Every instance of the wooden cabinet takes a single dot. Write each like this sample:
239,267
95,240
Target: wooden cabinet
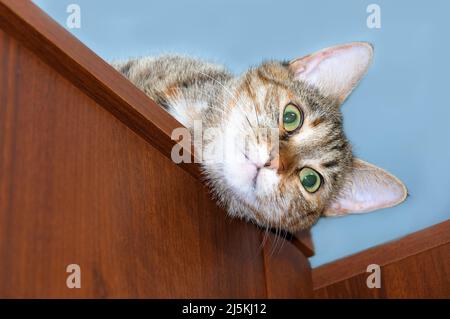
85,179
415,266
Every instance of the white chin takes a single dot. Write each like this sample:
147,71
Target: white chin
267,183
240,176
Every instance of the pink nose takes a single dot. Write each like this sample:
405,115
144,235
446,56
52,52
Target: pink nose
273,163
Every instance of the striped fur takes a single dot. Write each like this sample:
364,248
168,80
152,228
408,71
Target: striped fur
245,107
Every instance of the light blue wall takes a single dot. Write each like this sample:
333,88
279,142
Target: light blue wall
398,118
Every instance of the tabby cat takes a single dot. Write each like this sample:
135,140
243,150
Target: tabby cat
287,179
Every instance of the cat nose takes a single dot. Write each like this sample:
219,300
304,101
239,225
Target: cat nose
273,163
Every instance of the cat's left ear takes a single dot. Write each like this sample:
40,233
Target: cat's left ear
367,188
334,71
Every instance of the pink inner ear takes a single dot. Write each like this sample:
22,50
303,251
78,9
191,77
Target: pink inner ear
369,188
302,67
334,71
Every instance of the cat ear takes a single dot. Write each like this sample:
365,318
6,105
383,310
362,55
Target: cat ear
334,71
368,188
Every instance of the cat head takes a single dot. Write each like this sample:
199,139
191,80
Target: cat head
286,158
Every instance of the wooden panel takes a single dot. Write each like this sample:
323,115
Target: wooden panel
83,68
382,255
425,275
303,241
64,53
288,273
78,186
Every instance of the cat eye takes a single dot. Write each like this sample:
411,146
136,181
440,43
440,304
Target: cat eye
310,179
292,118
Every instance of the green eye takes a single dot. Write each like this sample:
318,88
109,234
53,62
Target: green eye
292,118
310,179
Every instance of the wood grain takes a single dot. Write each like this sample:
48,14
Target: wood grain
91,74
424,275
96,78
303,241
282,262
77,186
385,254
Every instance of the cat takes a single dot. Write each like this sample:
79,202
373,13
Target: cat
307,169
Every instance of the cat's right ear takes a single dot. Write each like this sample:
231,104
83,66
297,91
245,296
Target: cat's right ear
334,71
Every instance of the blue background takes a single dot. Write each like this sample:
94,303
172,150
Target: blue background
398,118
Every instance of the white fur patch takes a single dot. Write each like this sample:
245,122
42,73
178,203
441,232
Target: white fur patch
187,111
244,159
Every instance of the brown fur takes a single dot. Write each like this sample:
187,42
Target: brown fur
260,94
